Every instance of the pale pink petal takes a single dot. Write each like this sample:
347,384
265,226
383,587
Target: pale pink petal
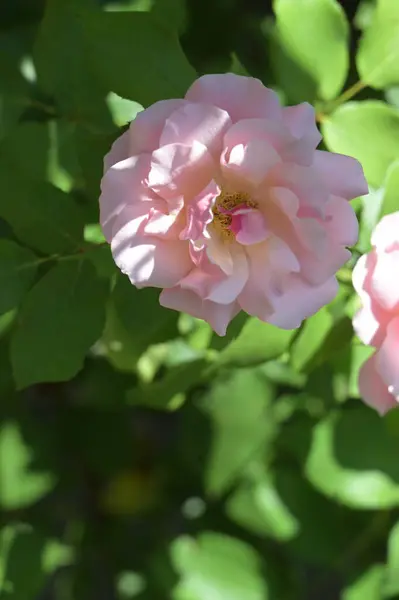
199,212
373,390
220,254
146,260
342,224
121,186
146,129
227,290
217,315
359,274
387,358
162,224
278,134
249,227
120,150
371,321
280,256
251,163
342,174
304,182
269,264
301,300
384,282
202,123
385,235
178,169
248,130
301,121
241,97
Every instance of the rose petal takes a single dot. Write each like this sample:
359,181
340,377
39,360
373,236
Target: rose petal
385,235
342,174
387,358
202,123
199,212
149,261
342,225
384,280
241,97
177,169
122,186
217,315
301,121
146,129
373,390
120,150
226,290
251,163
249,227
301,300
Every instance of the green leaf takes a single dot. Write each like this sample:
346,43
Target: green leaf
256,343
61,318
313,35
377,59
368,586
391,587
26,560
146,322
258,507
122,110
14,89
63,68
17,271
347,467
136,56
253,426
311,338
367,131
390,195
217,564
168,392
19,485
41,215
34,139
359,355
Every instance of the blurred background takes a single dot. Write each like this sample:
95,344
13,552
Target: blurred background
141,456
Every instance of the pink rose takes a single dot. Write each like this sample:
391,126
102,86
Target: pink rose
222,200
376,280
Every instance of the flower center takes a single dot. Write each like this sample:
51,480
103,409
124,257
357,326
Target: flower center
223,212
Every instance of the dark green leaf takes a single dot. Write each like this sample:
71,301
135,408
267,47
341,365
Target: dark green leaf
117,44
17,271
63,68
41,215
139,312
256,343
62,316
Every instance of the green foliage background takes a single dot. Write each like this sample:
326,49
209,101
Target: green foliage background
141,456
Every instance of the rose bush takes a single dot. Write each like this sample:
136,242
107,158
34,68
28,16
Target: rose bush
377,322
223,200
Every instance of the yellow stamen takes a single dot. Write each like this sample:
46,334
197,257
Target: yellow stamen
227,201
